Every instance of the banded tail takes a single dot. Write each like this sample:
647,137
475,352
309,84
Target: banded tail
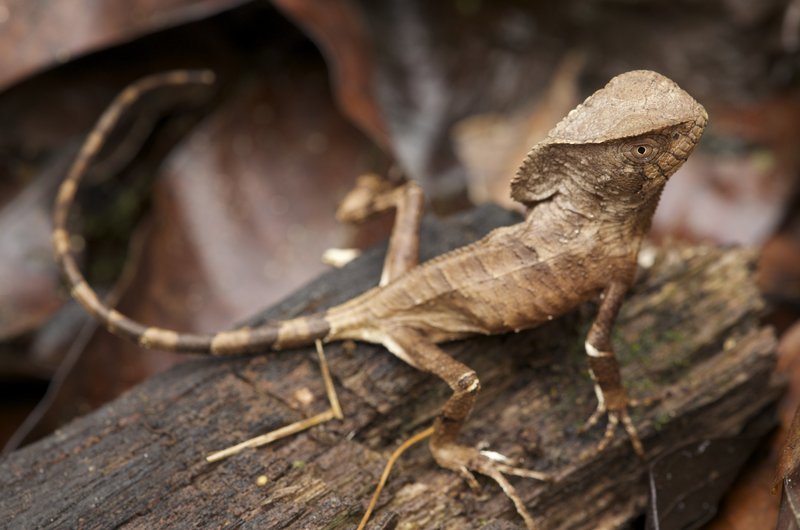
289,333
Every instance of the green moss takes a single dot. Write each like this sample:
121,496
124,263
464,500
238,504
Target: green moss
642,386
661,420
108,224
674,335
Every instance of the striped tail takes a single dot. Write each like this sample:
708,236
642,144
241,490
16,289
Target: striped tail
295,332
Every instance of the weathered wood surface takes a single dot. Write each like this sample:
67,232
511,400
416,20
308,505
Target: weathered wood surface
690,330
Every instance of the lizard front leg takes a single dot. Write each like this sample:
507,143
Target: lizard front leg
612,399
423,354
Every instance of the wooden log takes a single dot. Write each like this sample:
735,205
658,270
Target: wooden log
689,332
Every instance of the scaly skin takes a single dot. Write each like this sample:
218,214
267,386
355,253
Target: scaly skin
591,188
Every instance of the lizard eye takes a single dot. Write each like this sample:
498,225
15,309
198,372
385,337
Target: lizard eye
641,150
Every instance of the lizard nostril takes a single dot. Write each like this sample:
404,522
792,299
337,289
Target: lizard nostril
675,136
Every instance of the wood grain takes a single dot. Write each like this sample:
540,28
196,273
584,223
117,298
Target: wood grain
690,330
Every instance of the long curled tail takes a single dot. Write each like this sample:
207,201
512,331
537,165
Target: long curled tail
295,332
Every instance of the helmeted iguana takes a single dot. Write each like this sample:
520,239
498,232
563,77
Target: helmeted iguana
590,188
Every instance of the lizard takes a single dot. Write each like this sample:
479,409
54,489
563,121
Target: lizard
590,189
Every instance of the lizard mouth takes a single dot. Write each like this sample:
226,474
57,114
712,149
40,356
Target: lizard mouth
699,125
686,140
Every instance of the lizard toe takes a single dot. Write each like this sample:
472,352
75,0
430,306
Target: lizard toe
599,412
615,418
463,460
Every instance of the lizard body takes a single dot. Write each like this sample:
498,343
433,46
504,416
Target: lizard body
591,188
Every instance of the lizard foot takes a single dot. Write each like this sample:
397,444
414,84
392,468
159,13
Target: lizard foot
464,460
615,416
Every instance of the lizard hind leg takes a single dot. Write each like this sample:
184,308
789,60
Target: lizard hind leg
423,354
374,194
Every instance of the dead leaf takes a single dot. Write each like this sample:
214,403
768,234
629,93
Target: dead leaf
38,34
242,213
29,278
492,146
339,30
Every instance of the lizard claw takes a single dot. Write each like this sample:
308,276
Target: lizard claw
463,460
615,417
469,478
599,412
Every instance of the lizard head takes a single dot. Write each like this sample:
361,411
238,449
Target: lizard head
618,148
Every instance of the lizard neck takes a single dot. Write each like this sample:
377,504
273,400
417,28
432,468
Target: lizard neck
585,220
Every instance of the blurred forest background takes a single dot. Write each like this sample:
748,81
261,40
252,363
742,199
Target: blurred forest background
207,207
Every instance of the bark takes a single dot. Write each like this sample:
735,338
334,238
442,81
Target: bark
689,332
